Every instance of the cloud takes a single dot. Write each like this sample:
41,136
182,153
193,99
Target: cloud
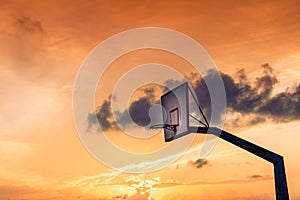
255,176
138,112
24,47
139,109
103,115
199,163
143,184
30,25
254,102
251,102
241,95
285,105
245,97
257,98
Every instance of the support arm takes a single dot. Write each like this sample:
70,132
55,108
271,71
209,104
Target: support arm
277,160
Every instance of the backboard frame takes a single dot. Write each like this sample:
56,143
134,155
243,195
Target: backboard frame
180,93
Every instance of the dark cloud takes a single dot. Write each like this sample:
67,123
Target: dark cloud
139,109
245,97
256,98
199,163
285,105
103,116
30,25
138,112
255,176
241,96
253,101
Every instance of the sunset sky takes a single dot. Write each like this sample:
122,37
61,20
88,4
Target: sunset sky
45,43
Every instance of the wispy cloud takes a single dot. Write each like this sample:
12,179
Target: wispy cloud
230,181
105,179
142,185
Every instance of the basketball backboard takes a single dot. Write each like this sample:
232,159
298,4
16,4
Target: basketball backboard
175,112
176,105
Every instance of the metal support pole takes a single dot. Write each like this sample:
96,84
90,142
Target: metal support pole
277,160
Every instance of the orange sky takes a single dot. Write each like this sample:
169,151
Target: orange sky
43,44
